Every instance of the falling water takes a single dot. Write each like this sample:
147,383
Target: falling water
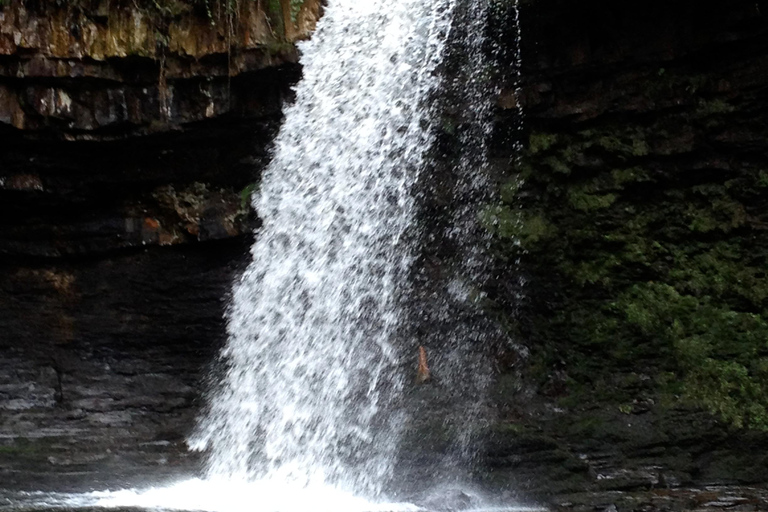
309,410
311,365
468,354
456,267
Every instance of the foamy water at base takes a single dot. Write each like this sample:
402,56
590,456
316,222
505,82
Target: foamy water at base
222,496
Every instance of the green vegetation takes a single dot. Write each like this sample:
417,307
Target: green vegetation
650,273
24,447
722,354
246,194
275,15
296,6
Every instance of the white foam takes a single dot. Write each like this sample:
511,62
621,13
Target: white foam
232,496
196,495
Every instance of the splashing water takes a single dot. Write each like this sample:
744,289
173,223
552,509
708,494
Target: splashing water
202,495
311,365
457,267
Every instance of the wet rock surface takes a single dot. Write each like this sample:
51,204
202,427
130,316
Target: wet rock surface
666,500
636,116
103,70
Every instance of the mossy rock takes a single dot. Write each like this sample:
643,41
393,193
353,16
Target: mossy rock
640,263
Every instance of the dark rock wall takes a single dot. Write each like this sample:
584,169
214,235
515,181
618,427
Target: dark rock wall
116,265
102,374
125,179
641,224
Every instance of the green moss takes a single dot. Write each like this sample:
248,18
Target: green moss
642,264
539,142
557,164
296,6
527,230
573,153
278,47
275,15
509,191
720,269
762,180
665,84
721,352
627,143
23,446
509,428
722,214
170,8
623,177
246,194
701,221
274,7
712,107
586,427
586,201
500,220
591,271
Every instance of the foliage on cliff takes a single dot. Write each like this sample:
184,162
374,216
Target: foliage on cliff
644,240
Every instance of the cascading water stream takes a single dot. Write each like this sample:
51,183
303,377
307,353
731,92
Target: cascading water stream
457,269
311,364
309,410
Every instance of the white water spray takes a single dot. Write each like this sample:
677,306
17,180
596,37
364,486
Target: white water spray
311,366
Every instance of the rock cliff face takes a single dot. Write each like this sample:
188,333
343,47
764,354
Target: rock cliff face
639,209
91,71
132,140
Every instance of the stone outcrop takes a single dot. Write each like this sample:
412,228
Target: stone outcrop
113,69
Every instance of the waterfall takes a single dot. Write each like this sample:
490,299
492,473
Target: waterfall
455,266
351,269
311,366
